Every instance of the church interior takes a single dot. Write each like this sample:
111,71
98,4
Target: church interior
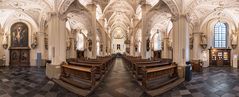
119,48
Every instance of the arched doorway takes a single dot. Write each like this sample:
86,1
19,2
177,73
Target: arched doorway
19,50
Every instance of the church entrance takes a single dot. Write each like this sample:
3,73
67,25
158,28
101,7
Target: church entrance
19,50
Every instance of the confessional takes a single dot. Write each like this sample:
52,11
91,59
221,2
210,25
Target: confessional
219,57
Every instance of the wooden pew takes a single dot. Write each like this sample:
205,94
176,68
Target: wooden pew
139,67
153,77
79,76
98,68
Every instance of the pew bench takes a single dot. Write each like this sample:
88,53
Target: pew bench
139,67
98,68
79,76
156,77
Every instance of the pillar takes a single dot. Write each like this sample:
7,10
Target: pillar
92,8
180,42
57,45
196,45
165,52
145,33
104,43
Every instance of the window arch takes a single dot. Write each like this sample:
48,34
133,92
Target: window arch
220,35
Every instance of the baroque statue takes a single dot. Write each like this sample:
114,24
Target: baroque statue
234,40
203,41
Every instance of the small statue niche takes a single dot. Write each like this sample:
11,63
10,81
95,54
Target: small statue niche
90,44
203,41
148,44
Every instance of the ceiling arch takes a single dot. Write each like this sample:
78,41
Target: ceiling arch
200,10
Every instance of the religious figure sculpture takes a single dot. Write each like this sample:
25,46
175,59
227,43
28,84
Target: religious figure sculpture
34,41
4,42
191,41
234,40
90,44
148,44
68,44
203,41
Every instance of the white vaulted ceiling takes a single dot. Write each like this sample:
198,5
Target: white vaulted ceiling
29,10
119,14
200,10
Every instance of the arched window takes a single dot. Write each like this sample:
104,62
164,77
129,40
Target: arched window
220,35
157,42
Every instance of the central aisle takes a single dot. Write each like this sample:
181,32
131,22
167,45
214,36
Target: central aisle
118,83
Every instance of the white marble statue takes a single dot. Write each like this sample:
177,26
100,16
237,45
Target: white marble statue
203,39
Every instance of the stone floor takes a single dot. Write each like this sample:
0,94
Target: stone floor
32,82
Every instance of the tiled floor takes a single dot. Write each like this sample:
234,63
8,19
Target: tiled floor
29,82
32,82
118,83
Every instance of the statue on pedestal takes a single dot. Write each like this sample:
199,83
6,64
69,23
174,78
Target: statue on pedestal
234,40
203,41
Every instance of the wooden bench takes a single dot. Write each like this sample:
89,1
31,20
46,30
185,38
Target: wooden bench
98,68
79,76
153,77
139,67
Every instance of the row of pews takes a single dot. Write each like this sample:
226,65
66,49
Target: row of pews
85,74
152,75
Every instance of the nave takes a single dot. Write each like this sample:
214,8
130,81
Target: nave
32,82
85,47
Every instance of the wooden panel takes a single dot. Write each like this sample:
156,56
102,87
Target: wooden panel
19,57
